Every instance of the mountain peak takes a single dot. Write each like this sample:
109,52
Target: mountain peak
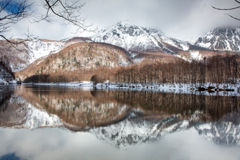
224,39
124,22
135,38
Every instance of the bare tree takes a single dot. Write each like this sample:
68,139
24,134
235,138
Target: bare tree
229,9
12,11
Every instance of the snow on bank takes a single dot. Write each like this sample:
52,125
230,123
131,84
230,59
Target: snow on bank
169,88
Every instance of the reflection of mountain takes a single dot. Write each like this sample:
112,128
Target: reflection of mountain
108,115
76,108
225,131
134,131
21,114
18,113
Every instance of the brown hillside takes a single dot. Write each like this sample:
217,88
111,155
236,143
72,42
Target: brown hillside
77,59
157,56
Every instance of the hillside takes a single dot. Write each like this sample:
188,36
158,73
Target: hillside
23,54
78,58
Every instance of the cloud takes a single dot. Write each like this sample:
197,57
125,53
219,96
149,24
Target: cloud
181,19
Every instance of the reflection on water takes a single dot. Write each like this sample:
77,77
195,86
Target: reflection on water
119,118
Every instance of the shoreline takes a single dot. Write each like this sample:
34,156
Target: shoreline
211,89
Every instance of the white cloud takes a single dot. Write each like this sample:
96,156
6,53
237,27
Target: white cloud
182,19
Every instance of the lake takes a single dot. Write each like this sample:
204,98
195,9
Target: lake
53,122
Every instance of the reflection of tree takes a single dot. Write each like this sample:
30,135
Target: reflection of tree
93,108
214,107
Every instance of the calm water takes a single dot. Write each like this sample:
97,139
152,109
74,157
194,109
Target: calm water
40,122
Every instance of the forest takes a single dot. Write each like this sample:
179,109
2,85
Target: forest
217,69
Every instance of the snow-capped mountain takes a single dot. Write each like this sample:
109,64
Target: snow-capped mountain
223,39
139,39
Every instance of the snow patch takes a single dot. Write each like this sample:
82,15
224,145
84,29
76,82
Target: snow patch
196,56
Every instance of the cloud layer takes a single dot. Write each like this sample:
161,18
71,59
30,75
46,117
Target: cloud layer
181,19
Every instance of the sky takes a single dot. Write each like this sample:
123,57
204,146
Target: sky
180,19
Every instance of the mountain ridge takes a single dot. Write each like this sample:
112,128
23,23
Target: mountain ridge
137,38
222,39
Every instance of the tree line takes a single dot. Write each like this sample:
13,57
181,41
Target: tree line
217,69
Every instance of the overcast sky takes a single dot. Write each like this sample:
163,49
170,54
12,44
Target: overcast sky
181,19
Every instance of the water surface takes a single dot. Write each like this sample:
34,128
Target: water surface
44,122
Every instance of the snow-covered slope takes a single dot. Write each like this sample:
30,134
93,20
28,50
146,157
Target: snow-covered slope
39,48
23,54
224,39
135,38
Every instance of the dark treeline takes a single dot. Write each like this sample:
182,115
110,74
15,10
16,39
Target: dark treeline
218,69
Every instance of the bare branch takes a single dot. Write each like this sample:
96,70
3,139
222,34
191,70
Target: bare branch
225,9
68,10
12,11
237,1
12,15
229,9
233,17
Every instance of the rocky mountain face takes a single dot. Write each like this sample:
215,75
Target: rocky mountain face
23,54
222,39
39,48
137,39
6,74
